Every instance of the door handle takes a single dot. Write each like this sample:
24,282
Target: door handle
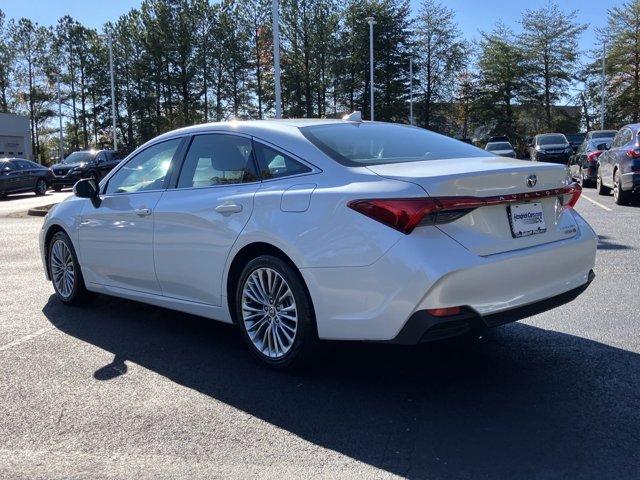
229,208
143,212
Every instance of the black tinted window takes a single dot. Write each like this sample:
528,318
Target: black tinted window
275,164
217,159
359,144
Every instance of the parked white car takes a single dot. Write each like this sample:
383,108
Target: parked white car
299,230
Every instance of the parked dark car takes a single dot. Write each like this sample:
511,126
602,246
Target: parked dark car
83,164
575,139
550,147
583,164
619,166
19,175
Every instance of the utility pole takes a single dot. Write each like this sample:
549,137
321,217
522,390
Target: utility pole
410,90
371,88
276,56
60,118
113,93
602,107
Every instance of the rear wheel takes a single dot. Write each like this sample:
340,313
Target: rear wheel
41,187
621,197
65,271
274,313
602,190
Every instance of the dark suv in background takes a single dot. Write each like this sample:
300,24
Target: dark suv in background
550,147
83,164
619,166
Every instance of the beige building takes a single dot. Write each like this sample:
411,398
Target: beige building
15,136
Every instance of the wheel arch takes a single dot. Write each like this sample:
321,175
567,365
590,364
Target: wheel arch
51,231
245,255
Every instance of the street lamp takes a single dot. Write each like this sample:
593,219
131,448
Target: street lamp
276,56
113,92
372,22
410,90
60,117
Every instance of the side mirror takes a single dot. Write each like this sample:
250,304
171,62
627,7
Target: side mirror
603,146
87,188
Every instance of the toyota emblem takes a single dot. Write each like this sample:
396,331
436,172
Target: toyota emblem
532,180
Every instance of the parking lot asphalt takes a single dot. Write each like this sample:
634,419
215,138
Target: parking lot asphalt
118,389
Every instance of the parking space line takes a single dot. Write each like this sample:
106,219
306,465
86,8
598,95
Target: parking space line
597,203
26,338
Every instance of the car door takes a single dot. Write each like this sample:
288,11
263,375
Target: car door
605,161
9,177
116,235
30,174
198,221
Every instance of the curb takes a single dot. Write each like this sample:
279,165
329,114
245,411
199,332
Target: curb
40,211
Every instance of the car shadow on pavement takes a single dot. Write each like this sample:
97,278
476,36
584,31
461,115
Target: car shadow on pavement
606,243
521,402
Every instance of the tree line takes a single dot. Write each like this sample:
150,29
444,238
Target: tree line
182,62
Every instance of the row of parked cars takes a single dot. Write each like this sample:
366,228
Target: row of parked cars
18,175
606,159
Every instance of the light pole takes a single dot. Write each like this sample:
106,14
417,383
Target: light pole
410,90
276,56
604,54
371,24
60,118
113,93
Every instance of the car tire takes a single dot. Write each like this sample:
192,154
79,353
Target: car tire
620,196
267,287
57,188
602,190
65,272
41,187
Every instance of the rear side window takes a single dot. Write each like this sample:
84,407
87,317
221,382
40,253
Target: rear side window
218,159
275,164
362,144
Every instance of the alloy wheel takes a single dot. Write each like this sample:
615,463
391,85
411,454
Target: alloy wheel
62,268
269,312
616,186
41,187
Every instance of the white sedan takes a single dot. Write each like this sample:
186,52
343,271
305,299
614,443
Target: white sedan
299,230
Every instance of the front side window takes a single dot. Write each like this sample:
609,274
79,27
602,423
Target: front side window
275,164
217,159
362,144
146,171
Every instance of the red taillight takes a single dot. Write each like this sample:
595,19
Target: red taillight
405,214
444,312
594,155
633,153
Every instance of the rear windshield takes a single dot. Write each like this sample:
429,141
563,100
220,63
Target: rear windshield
604,134
499,146
362,144
551,139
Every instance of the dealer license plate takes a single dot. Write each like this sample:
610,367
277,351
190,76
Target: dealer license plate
526,219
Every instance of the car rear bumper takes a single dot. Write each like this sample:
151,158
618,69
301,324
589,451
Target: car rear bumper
630,181
428,269
424,327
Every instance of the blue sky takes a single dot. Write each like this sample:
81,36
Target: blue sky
472,15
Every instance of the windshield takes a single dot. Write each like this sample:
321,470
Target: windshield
604,134
499,146
79,157
551,140
362,144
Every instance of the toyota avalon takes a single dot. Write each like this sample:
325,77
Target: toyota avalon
300,230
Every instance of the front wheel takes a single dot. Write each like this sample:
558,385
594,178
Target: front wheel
65,271
274,313
41,187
